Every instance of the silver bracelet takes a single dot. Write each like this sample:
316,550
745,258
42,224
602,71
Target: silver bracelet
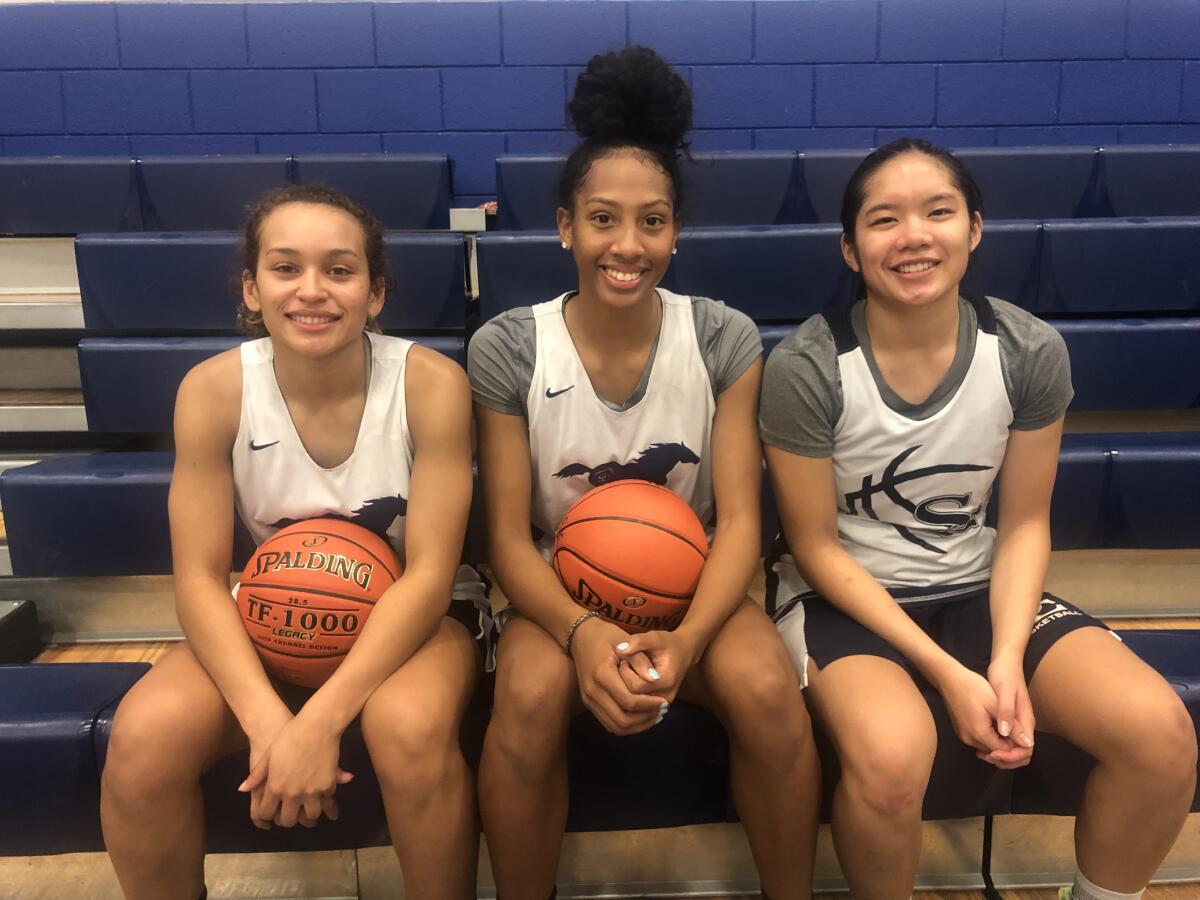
590,614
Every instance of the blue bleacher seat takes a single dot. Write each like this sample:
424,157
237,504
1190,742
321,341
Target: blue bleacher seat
824,176
781,273
1081,492
205,193
1154,478
1005,264
48,774
1120,266
129,383
1133,364
722,188
520,270
1156,180
186,282
1033,182
64,196
402,190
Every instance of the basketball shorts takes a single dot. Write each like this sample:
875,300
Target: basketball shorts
961,625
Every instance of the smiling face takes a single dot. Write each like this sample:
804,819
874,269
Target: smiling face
913,233
622,229
312,282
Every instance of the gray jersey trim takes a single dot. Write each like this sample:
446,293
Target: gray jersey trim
502,354
802,394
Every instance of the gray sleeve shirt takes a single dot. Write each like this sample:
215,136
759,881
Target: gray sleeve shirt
802,394
502,354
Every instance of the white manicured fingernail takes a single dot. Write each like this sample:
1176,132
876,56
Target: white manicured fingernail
1026,741
653,674
1005,729
623,646
664,709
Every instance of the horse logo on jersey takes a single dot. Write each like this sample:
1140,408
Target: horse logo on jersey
375,515
950,514
652,464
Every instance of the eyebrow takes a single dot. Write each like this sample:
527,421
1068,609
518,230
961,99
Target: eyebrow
662,201
936,198
289,251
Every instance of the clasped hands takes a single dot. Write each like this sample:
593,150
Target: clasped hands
628,682
293,772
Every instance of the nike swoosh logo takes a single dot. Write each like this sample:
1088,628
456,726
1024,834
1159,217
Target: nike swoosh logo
254,446
552,394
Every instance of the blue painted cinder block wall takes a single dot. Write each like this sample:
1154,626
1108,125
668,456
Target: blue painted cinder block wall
478,79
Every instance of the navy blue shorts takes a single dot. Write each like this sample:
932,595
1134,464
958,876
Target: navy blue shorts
961,625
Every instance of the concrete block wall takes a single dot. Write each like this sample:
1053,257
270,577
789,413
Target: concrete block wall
477,79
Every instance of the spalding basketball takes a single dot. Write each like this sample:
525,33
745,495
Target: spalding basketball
632,551
306,593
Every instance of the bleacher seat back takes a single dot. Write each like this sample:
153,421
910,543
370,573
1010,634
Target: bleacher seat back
521,270
1157,180
189,281
824,174
1155,479
527,192
780,273
771,336
1005,264
1032,182
66,196
177,282
720,188
48,773
1081,490
110,368
739,188
429,290
205,193
1133,364
401,190
1120,267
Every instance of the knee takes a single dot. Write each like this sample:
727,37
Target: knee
411,744
763,707
529,720
148,749
1161,742
890,783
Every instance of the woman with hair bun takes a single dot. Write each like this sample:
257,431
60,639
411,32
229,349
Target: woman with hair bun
607,370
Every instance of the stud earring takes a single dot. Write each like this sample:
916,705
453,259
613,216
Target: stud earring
566,246
674,250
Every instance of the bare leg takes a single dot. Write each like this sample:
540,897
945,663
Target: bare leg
411,725
747,677
523,773
170,728
1096,693
883,733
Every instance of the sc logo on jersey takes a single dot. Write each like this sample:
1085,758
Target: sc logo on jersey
949,514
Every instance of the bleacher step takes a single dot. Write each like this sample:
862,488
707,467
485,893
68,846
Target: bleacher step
44,410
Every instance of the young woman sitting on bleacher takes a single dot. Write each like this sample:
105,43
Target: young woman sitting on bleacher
618,365
320,416
886,424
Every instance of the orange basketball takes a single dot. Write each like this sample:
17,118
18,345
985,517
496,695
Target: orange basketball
632,551
307,591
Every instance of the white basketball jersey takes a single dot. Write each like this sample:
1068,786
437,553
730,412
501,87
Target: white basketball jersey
912,494
577,441
277,483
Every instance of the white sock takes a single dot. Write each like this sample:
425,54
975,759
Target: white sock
1083,889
